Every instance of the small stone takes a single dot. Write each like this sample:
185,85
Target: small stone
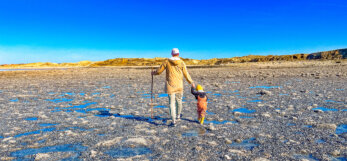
327,126
238,140
335,153
141,141
70,133
235,151
304,151
290,107
304,91
318,110
265,114
228,141
228,123
7,139
209,119
237,113
265,92
227,157
260,104
184,127
198,148
217,85
309,107
319,95
231,107
211,127
303,159
94,112
42,156
212,143
110,142
93,153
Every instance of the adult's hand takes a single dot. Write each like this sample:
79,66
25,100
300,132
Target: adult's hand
193,85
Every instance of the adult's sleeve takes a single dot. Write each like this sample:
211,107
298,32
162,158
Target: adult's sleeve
186,74
161,68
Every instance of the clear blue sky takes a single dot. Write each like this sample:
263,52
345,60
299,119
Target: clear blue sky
74,30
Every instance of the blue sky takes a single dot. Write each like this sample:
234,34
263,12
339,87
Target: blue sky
75,30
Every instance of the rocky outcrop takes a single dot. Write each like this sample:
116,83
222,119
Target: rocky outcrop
329,55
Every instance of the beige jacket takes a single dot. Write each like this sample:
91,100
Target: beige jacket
175,70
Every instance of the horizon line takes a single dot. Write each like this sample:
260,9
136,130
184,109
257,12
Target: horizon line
166,57
95,55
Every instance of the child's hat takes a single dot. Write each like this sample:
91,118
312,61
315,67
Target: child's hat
199,88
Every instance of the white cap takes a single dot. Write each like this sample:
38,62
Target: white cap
175,51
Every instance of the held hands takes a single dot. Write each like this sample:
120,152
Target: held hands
153,72
193,85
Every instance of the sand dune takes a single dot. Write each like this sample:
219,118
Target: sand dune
336,55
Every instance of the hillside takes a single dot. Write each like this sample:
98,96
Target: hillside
325,55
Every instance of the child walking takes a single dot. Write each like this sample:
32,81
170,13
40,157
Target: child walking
201,96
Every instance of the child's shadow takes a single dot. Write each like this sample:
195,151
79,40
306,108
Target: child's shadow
137,118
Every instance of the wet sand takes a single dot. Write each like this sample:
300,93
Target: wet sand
274,112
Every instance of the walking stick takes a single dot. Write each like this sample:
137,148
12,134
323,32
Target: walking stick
152,95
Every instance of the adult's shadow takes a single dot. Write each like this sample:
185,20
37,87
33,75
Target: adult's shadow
136,118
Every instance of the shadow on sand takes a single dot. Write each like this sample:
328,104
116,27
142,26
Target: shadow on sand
156,120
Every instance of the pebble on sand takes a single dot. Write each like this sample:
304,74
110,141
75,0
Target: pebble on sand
327,126
141,141
261,159
42,156
110,142
211,127
265,92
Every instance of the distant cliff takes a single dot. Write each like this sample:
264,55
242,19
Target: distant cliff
325,55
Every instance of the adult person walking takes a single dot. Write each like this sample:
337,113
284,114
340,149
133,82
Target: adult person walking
175,70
